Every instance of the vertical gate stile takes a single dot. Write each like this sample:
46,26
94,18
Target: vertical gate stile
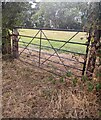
87,50
40,47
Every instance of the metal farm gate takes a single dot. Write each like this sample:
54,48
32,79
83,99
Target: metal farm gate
53,59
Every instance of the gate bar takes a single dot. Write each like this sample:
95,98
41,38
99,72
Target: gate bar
54,50
40,48
62,46
55,40
51,54
87,50
48,66
56,62
51,29
29,42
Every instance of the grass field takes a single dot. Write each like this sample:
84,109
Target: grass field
58,35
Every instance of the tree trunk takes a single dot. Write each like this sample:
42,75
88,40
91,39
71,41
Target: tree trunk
6,42
9,43
93,54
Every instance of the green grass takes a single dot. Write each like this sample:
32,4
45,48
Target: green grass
58,35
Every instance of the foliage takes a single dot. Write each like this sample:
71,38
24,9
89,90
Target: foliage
94,15
100,113
53,82
98,86
15,14
60,15
90,86
69,73
84,78
74,80
51,78
61,80
94,26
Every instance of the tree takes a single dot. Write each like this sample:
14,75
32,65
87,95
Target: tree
94,21
59,15
13,14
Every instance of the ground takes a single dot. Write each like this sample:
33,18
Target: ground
32,92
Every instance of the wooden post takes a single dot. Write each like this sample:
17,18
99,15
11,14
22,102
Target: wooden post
15,43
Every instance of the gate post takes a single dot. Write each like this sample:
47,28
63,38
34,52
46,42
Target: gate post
86,56
15,39
6,42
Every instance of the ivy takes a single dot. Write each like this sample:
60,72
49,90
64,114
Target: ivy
69,74
90,86
74,80
98,86
84,78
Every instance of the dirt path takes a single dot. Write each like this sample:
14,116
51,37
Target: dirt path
31,92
